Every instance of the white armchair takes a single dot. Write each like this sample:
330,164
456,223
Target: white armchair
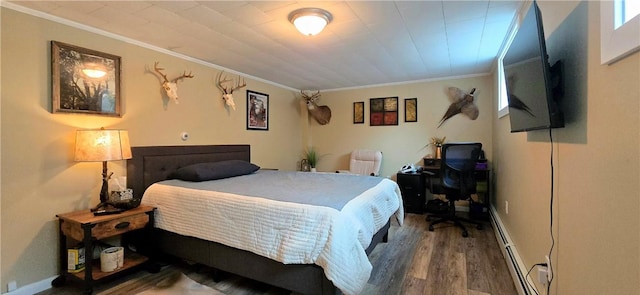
364,162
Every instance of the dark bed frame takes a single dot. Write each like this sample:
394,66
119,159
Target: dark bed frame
153,164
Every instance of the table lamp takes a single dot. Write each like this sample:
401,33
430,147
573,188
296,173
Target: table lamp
101,146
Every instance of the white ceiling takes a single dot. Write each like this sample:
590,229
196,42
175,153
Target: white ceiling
367,43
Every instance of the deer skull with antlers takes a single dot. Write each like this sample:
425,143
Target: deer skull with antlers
227,90
171,87
322,114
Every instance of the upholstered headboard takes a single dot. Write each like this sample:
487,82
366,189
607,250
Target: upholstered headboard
154,163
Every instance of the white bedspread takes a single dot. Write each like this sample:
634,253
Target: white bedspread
287,232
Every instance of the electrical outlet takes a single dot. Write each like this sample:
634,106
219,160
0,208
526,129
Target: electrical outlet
12,286
542,275
549,269
506,207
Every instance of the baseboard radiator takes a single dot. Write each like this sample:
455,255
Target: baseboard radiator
518,270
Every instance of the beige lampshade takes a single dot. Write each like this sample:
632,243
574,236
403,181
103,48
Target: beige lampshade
102,145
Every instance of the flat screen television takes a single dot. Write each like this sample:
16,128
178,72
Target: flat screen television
533,86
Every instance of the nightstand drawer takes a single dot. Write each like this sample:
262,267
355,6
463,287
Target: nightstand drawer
119,226
108,228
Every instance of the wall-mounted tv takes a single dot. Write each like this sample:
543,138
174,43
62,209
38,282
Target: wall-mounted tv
533,87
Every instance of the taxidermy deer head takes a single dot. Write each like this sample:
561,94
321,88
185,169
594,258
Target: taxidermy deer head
460,103
227,90
322,114
171,87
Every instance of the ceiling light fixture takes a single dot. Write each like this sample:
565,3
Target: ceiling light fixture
310,21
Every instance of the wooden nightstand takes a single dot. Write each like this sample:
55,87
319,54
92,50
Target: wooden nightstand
85,229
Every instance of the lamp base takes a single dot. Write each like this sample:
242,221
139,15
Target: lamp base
105,207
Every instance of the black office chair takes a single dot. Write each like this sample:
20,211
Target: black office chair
457,180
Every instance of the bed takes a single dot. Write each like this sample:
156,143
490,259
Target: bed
314,272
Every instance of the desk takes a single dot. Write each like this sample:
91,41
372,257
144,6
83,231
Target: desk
414,188
477,209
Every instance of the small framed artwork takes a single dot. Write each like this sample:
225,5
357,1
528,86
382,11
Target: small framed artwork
257,111
383,111
411,109
84,81
358,112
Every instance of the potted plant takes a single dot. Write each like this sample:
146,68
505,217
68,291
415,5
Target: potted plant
312,158
437,144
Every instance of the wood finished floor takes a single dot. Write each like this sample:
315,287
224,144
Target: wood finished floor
414,261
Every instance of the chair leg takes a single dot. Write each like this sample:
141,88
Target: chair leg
474,222
451,216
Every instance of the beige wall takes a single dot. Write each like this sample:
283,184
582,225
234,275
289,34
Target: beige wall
597,167
597,210
39,177
406,142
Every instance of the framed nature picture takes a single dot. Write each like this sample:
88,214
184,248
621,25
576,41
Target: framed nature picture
411,110
383,111
257,111
358,112
84,81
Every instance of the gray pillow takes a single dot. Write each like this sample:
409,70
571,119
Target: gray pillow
214,170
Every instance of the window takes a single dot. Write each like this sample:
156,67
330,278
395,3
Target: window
503,102
624,11
620,29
